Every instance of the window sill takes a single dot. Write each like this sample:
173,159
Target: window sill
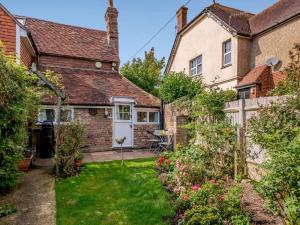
225,66
147,123
196,75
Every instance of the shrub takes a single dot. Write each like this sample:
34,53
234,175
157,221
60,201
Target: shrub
18,102
178,85
70,144
7,210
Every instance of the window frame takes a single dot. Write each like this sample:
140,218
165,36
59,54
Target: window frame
55,114
147,113
224,54
244,91
117,113
196,66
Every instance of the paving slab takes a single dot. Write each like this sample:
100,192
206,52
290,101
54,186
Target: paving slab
116,155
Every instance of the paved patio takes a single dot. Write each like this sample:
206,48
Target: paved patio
116,155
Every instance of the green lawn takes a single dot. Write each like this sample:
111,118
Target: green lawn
108,194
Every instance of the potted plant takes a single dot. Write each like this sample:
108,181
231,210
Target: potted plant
25,163
78,159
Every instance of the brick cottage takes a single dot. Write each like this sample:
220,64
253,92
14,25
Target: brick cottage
98,96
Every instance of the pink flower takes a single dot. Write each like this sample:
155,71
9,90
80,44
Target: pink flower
196,187
213,181
186,197
182,167
221,198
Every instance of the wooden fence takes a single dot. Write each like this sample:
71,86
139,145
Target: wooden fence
239,113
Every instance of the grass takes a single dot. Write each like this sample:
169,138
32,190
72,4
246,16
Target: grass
109,194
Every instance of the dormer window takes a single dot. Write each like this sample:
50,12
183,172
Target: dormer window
196,66
227,53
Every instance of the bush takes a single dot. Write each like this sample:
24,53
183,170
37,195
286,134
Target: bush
178,85
70,146
18,102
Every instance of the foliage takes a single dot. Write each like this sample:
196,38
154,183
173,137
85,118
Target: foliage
70,144
146,72
290,85
108,193
18,104
277,131
7,210
178,85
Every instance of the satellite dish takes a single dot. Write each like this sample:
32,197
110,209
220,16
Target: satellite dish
272,61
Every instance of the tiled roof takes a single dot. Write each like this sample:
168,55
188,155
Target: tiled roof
277,13
64,40
253,76
236,19
88,87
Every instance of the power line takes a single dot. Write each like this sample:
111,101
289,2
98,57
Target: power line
158,32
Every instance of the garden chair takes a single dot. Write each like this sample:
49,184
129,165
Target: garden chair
166,145
153,142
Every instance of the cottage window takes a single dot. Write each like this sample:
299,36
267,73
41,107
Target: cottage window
244,93
227,53
50,114
196,66
147,117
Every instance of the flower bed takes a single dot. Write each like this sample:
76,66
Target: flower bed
200,199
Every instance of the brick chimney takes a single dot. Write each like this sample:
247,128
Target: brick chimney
111,18
181,18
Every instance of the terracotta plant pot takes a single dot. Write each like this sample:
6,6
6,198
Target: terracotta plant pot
24,164
78,162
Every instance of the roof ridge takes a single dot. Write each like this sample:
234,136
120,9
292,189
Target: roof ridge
228,7
59,23
268,8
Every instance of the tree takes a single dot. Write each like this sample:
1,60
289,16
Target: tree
178,85
146,72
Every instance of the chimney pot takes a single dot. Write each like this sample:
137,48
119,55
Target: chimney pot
181,18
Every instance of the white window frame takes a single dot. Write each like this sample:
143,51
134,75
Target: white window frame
227,53
56,113
130,116
147,112
196,65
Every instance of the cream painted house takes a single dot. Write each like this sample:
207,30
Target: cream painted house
230,48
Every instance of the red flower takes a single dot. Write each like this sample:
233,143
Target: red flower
186,197
168,162
221,198
161,160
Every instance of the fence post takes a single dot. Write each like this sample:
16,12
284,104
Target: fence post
240,153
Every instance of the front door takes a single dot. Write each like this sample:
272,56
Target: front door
123,124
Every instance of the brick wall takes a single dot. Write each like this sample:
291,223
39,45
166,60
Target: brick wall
174,120
141,137
25,57
7,32
99,130
71,62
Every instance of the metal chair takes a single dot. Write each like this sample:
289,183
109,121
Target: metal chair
167,145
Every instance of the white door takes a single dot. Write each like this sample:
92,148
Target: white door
123,124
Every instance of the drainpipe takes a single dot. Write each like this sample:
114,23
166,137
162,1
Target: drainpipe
162,115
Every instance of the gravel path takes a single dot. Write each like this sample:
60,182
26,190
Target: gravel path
253,203
34,198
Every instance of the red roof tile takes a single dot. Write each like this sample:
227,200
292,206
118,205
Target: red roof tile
65,40
253,76
88,87
236,19
277,13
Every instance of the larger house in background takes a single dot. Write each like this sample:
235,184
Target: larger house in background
88,60
231,48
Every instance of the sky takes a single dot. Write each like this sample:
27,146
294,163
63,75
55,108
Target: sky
139,20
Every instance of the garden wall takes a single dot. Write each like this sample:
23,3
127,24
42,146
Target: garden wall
174,122
240,112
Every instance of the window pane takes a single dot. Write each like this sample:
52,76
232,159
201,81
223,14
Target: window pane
142,117
227,46
123,112
66,115
199,69
46,115
227,59
153,117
